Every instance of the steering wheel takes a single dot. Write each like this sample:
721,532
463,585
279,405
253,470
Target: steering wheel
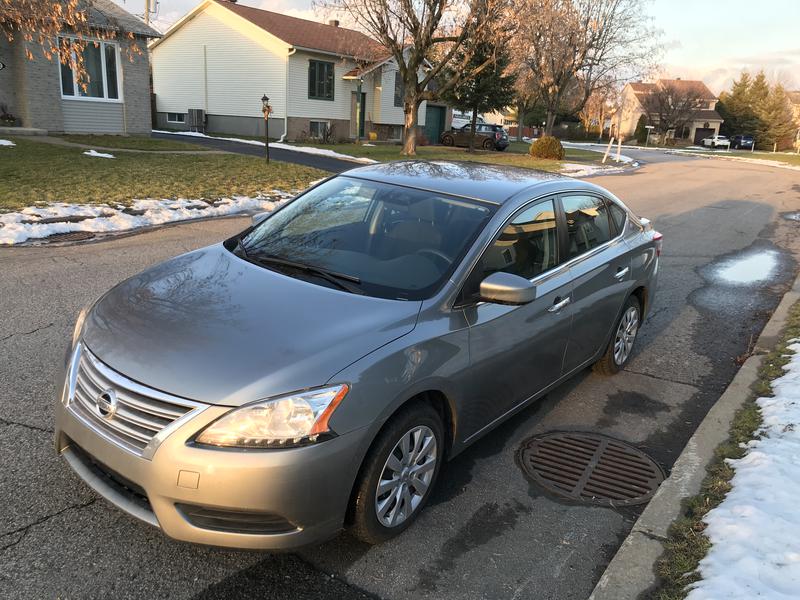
438,255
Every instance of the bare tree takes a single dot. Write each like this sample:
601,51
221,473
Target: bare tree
671,107
570,45
40,23
423,37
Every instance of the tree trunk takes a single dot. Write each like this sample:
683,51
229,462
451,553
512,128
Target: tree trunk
410,129
551,119
520,121
472,130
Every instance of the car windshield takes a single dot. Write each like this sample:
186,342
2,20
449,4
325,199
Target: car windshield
383,240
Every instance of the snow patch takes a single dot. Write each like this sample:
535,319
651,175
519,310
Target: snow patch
749,269
97,154
27,224
7,143
279,145
579,170
754,532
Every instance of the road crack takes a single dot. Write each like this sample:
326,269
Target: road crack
692,385
9,423
23,531
32,331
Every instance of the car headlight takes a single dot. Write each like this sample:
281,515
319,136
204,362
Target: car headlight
290,420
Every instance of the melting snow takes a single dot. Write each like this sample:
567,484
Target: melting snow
97,154
579,170
279,145
754,532
8,143
18,227
749,269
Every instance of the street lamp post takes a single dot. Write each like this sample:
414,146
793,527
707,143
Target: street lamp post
647,139
266,109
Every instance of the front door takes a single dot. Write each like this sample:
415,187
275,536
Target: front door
516,351
434,123
600,265
361,114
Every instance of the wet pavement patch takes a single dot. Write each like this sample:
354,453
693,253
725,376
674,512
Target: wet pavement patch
590,468
792,216
753,267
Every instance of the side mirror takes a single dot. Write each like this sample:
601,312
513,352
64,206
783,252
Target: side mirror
258,217
505,288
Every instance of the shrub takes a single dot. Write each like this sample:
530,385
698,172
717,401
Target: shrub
547,147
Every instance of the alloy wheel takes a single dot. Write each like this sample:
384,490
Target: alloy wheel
626,335
406,476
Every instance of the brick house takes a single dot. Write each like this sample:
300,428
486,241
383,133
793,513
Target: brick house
222,57
43,93
705,120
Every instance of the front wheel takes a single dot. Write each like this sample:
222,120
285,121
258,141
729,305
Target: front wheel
488,145
398,474
621,345
447,140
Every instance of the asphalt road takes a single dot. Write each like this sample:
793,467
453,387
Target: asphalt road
326,163
488,532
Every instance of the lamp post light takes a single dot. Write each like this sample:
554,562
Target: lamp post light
266,109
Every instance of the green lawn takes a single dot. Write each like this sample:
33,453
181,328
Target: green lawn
388,152
34,172
132,142
792,159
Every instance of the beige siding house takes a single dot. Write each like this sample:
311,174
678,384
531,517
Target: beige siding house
43,94
222,57
705,120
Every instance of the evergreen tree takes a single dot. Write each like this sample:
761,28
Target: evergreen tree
775,120
492,89
641,131
737,109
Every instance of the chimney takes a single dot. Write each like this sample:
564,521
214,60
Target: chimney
334,22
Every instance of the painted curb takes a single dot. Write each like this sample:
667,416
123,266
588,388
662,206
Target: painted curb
631,572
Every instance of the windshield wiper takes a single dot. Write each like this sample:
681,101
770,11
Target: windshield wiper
337,279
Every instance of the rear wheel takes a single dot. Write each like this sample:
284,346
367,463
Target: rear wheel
447,140
620,347
398,474
488,145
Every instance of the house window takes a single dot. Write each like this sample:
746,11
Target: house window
399,90
176,118
395,132
102,82
317,129
320,80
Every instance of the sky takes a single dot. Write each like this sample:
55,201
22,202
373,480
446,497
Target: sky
712,40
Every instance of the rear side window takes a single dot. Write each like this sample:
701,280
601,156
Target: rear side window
618,216
588,225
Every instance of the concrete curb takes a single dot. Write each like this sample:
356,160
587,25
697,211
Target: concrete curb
631,572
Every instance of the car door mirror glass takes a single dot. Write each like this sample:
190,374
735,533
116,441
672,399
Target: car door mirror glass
506,288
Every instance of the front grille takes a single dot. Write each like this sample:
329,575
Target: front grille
230,521
140,413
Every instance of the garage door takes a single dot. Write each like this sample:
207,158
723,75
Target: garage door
702,133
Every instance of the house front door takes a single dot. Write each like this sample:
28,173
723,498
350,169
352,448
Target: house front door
353,108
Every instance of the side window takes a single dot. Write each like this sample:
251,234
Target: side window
527,246
618,216
588,225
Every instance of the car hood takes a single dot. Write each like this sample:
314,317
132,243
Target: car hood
212,327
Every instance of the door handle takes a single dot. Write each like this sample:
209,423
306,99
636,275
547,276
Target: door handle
559,305
621,273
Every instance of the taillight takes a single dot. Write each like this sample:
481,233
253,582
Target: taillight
498,135
658,239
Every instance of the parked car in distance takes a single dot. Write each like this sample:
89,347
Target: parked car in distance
488,137
715,141
463,118
316,370
743,142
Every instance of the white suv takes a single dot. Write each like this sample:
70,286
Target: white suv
717,140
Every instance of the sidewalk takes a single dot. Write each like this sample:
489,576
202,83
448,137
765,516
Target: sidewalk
631,573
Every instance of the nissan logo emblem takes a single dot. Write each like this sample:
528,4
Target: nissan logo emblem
106,404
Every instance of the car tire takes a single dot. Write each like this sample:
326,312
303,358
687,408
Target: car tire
620,347
447,140
488,145
368,525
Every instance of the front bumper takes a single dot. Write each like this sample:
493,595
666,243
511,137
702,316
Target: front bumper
298,495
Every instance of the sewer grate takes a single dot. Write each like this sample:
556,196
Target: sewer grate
590,468
71,236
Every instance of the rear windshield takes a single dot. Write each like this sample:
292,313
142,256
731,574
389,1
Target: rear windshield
392,241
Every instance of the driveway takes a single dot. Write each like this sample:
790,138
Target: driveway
488,532
325,163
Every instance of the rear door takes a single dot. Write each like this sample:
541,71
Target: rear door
600,265
516,351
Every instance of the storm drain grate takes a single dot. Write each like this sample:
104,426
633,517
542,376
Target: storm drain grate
72,236
591,468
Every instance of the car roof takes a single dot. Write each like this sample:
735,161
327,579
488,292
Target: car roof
480,181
